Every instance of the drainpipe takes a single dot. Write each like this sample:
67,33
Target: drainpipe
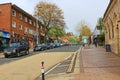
118,23
118,37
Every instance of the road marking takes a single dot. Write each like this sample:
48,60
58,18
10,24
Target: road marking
68,57
52,68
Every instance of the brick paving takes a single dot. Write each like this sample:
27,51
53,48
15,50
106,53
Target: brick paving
95,64
98,65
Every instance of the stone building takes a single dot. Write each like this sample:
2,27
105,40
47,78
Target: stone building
111,21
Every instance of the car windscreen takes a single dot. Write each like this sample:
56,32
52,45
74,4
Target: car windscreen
14,45
39,45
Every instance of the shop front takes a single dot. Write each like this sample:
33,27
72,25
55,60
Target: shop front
4,39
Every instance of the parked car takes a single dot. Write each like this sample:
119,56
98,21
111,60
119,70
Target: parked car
48,46
44,46
38,47
52,45
57,44
16,49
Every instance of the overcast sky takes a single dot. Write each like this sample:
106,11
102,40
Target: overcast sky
74,10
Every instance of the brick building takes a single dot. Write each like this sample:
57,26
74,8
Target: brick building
112,26
16,25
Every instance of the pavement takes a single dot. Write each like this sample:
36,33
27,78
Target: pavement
93,64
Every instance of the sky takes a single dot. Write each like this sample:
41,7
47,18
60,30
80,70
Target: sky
74,11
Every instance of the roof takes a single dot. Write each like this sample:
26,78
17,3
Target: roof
108,8
22,11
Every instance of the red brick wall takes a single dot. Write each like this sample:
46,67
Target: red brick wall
23,23
5,17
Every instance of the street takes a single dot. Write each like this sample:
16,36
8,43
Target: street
29,67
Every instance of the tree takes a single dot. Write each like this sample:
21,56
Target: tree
83,29
73,39
56,31
101,37
100,25
49,15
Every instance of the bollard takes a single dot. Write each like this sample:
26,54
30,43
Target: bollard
43,78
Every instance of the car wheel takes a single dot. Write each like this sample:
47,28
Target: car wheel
42,49
6,56
27,52
18,54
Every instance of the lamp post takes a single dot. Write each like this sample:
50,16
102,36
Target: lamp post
37,26
37,30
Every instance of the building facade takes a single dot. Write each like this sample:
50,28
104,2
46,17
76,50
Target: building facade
111,21
17,25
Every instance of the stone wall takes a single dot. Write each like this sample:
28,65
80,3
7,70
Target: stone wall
112,25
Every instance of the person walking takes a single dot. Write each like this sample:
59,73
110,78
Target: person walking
95,42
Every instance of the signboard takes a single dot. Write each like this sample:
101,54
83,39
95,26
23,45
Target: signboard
108,48
4,34
84,39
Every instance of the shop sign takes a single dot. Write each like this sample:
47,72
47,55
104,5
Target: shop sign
4,34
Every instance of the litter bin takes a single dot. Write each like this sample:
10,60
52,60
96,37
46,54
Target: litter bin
108,48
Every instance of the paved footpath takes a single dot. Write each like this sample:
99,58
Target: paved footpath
93,64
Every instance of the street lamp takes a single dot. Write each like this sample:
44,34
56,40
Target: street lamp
37,26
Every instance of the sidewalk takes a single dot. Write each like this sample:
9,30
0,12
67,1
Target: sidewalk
93,64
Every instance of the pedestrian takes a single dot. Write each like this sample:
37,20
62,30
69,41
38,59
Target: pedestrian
95,42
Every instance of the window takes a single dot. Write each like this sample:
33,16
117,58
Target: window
20,16
13,24
13,13
30,31
20,27
34,24
26,30
26,19
30,21
33,32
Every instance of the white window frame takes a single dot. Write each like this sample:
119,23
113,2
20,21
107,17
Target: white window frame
26,29
30,31
20,27
14,24
13,13
30,21
34,23
20,16
26,19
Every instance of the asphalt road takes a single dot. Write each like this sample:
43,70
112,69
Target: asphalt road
72,48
